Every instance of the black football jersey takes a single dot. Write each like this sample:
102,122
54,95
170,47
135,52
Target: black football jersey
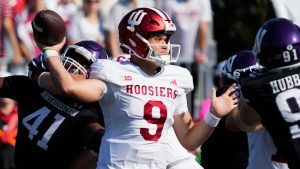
50,127
276,97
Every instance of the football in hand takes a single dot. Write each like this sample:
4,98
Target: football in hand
48,28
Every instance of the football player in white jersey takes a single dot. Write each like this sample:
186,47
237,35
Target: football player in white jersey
178,157
141,98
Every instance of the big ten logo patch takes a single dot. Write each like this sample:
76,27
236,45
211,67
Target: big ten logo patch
126,78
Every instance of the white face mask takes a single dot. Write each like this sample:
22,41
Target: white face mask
72,66
163,53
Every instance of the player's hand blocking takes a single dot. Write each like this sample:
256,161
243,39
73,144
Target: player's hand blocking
225,103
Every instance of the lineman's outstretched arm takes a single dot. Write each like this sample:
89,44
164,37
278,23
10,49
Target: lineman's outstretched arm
248,119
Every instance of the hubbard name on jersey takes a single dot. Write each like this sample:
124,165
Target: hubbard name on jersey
138,111
276,97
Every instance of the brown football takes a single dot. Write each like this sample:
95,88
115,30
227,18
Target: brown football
48,27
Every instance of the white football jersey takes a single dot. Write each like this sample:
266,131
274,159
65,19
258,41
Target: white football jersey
178,157
138,110
261,149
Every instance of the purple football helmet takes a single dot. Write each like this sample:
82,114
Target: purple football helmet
240,65
77,58
277,44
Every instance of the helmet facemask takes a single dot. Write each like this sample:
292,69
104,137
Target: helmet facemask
162,54
237,73
77,59
72,66
164,58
